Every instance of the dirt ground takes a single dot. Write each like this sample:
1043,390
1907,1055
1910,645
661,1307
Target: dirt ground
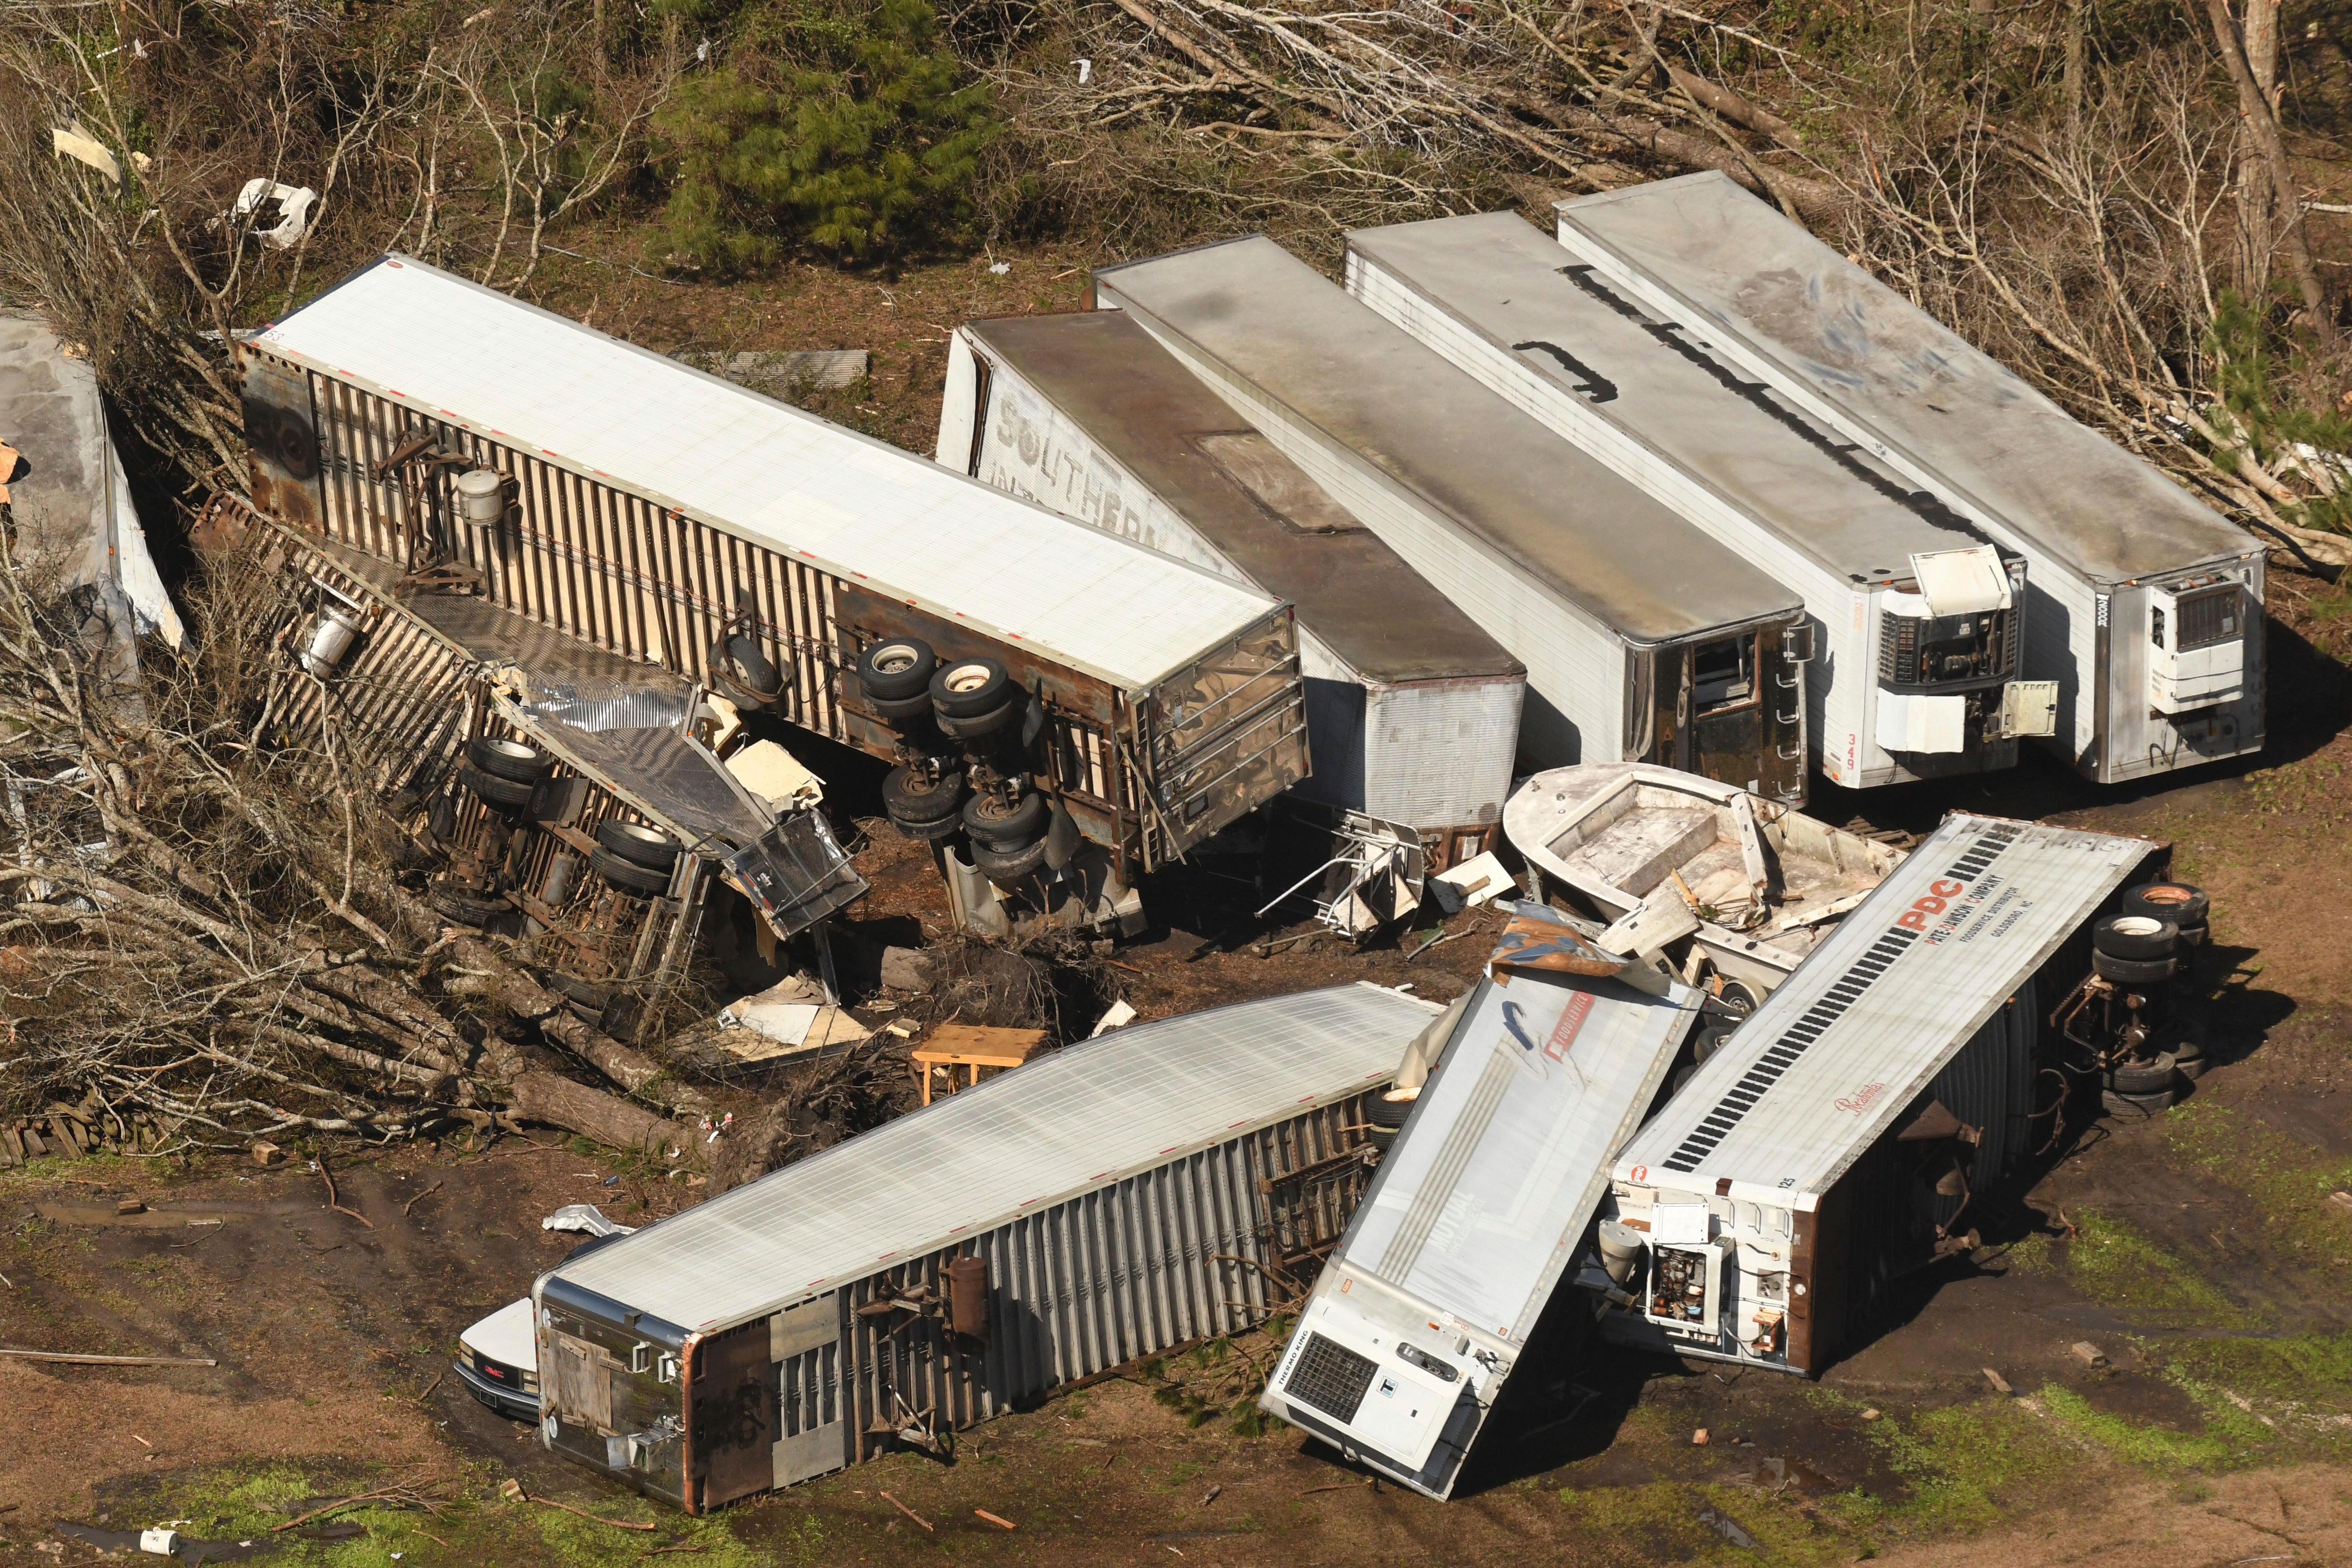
2200,1254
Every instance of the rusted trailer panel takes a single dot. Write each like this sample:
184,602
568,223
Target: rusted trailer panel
1173,701
1166,1184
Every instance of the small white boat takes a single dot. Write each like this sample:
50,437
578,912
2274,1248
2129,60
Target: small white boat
1667,855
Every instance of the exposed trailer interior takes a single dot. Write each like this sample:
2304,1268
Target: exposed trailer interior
2145,606
1916,614
1167,1182
1644,639
1491,1189
1042,687
1412,712
1709,876
1845,1132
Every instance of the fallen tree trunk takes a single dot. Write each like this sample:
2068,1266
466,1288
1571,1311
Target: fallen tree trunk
594,1114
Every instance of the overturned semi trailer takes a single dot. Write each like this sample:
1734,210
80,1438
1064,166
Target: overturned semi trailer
556,793
1644,639
1845,1132
1077,710
1488,1196
1167,1182
2145,607
1413,710
1917,615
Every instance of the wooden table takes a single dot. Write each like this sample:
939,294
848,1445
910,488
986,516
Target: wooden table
970,1046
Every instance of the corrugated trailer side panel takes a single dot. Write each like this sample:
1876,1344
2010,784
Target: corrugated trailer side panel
1184,1252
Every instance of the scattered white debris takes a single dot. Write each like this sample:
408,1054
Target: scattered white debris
294,204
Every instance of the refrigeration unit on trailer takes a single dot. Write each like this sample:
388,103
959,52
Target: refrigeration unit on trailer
1042,687
1167,1182
1412,712
1843,1133
1644,639
2145,606
1915,613
1428,1305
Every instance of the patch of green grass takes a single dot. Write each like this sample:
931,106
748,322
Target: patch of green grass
2285,1179
1965,1466
2116,1266
2307,1370
2226,1438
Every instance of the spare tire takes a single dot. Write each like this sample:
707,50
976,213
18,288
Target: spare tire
899,709
639,846
2129,971
1380,1138
907,798
2136,936
897,668
1710,1040
505,759
1386,1109
2178,902
627,875
507,795
990,820
966,687
1005,867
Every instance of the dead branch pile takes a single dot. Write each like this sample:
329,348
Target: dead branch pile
193,940
1055,983
2089,199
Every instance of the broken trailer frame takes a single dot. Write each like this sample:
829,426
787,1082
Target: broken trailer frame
1644,639
1167,1182
479,443
1838,1137
415,683
2145,606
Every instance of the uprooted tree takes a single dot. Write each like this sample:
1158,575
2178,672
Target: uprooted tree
186,939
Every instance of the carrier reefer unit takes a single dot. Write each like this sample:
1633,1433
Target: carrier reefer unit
1108,1201
1842,1132
1487,1196
2146,607
483,446
1916,614
1412,712
1644,639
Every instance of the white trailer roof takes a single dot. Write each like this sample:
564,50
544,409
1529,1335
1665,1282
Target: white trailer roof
1475,1210
1818,1073
1488,471
1503,280
2002,448
763,470
1081,1119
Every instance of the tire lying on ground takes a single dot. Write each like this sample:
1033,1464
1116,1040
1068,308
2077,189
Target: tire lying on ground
2136,936
506,759
627,875
639,846
505,795
2129,971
